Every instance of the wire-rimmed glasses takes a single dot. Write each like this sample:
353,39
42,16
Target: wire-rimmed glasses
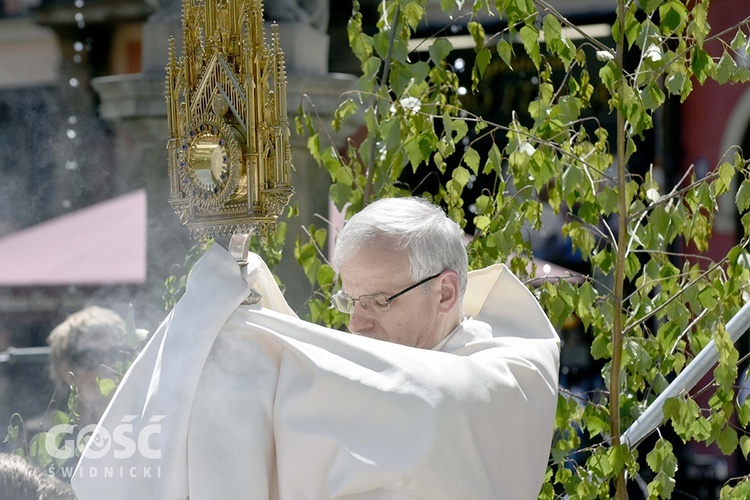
372,302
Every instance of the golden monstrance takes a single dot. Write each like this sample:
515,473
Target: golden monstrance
229,152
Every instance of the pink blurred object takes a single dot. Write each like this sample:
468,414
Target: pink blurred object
101,244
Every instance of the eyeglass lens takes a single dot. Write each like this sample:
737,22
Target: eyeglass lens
377,302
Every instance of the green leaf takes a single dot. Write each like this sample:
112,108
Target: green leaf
530,39
570,109
413,13
585,303
419,148
505,51
552,30
609,200
571,181
106,386
517,10
59,418
699,27
609,75
601,348
632,266
596,419
702,64
725,68
360,43
38,448
675,81
12,432
726,371
742,198
398,51
477,33
709,298
682,414
727,440
561,308
618,456
673,15
326,275
662,458
480,65
632,26
739,42
650,5
482,222
662,486
461,129
319,236
472,159
726,176
340,194
461,175
329,158
447,5
652,96
494,160
745,446
370,70
440,49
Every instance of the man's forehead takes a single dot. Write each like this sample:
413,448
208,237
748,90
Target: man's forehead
374,271
375,260
365,275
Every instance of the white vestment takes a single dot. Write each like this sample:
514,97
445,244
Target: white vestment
230,401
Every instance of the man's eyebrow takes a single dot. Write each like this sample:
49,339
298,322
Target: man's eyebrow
365,294
380,292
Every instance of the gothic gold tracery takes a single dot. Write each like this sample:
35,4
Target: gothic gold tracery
229,152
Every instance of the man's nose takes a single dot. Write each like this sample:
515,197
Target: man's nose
360,319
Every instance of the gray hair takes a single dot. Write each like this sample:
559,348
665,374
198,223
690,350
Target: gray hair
19,480
432,242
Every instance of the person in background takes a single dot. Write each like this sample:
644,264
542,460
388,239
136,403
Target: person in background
20,480
83,348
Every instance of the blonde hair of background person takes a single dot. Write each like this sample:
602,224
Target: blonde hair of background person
85,345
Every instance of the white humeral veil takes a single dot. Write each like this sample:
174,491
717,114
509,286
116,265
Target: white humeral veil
231,401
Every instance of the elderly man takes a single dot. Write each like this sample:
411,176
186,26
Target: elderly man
431,399
394,246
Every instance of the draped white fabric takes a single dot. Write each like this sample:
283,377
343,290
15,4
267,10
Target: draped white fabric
229,401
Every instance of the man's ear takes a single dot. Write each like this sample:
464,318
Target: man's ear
449,290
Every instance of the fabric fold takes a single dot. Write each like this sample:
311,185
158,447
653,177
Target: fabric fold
254,403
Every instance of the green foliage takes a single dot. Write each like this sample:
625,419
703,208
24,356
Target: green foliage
646,310
174,285
663,463
320,273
